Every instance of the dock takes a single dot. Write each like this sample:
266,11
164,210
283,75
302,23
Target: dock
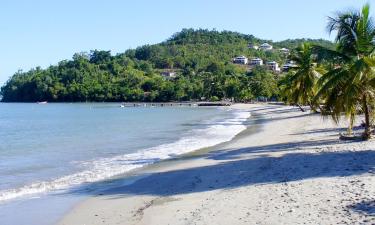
214,103
174,104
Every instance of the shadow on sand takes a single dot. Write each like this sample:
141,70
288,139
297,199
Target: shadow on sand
234,154
365,207
230,171
258,170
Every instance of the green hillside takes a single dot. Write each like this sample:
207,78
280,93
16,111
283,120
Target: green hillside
198,61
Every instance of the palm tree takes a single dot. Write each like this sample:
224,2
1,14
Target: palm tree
348,87
299,87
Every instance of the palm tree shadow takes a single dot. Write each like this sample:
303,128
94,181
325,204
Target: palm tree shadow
270,120
229,154
336,130
260,170
325,130
364,207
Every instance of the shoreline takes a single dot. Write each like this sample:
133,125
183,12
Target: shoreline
139,173
60,201
268,176
171,152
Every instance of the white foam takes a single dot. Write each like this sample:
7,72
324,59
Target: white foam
105,168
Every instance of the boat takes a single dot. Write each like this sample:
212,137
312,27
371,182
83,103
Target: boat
43,102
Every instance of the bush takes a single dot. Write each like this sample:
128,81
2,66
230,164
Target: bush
214,99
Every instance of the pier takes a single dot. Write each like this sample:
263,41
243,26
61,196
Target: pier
174,104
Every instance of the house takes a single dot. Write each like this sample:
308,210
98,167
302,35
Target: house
285,51
256,62
290,64
266,47
168,74
241,60
252,46
273,65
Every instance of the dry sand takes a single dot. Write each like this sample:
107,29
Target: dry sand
292,170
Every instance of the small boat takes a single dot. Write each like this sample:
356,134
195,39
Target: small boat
43,102
122,106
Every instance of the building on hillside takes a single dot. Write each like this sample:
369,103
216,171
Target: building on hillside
285,51
256,62
168,74
266,47
289,65
252,46
273,65
241,60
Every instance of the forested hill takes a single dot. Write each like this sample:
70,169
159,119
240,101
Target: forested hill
191,65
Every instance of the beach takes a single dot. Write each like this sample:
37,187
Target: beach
287,167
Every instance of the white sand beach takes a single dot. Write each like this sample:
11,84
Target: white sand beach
288,167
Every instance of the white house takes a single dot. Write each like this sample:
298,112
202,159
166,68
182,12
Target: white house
241,60
285,51
168,74
256,62
274,66
256,47
266,47
290,64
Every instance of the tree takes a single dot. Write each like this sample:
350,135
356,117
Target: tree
98,57
349,86
299,87
232,88
201,58
263,83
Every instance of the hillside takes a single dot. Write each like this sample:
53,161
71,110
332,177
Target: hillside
196,64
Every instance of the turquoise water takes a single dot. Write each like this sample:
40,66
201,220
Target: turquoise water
46,148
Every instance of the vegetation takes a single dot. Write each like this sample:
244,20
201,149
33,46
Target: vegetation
201,58
300,87
347,84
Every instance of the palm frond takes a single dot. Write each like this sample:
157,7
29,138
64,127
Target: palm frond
325,54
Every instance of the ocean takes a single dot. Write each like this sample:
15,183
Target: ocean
49,151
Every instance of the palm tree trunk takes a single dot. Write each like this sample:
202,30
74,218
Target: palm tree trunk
320,108
351,122
300,107
313,108
367,133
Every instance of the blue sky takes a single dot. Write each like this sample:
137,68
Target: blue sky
43,32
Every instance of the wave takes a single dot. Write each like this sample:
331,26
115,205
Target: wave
214,133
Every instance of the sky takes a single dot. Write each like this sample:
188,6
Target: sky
44,32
